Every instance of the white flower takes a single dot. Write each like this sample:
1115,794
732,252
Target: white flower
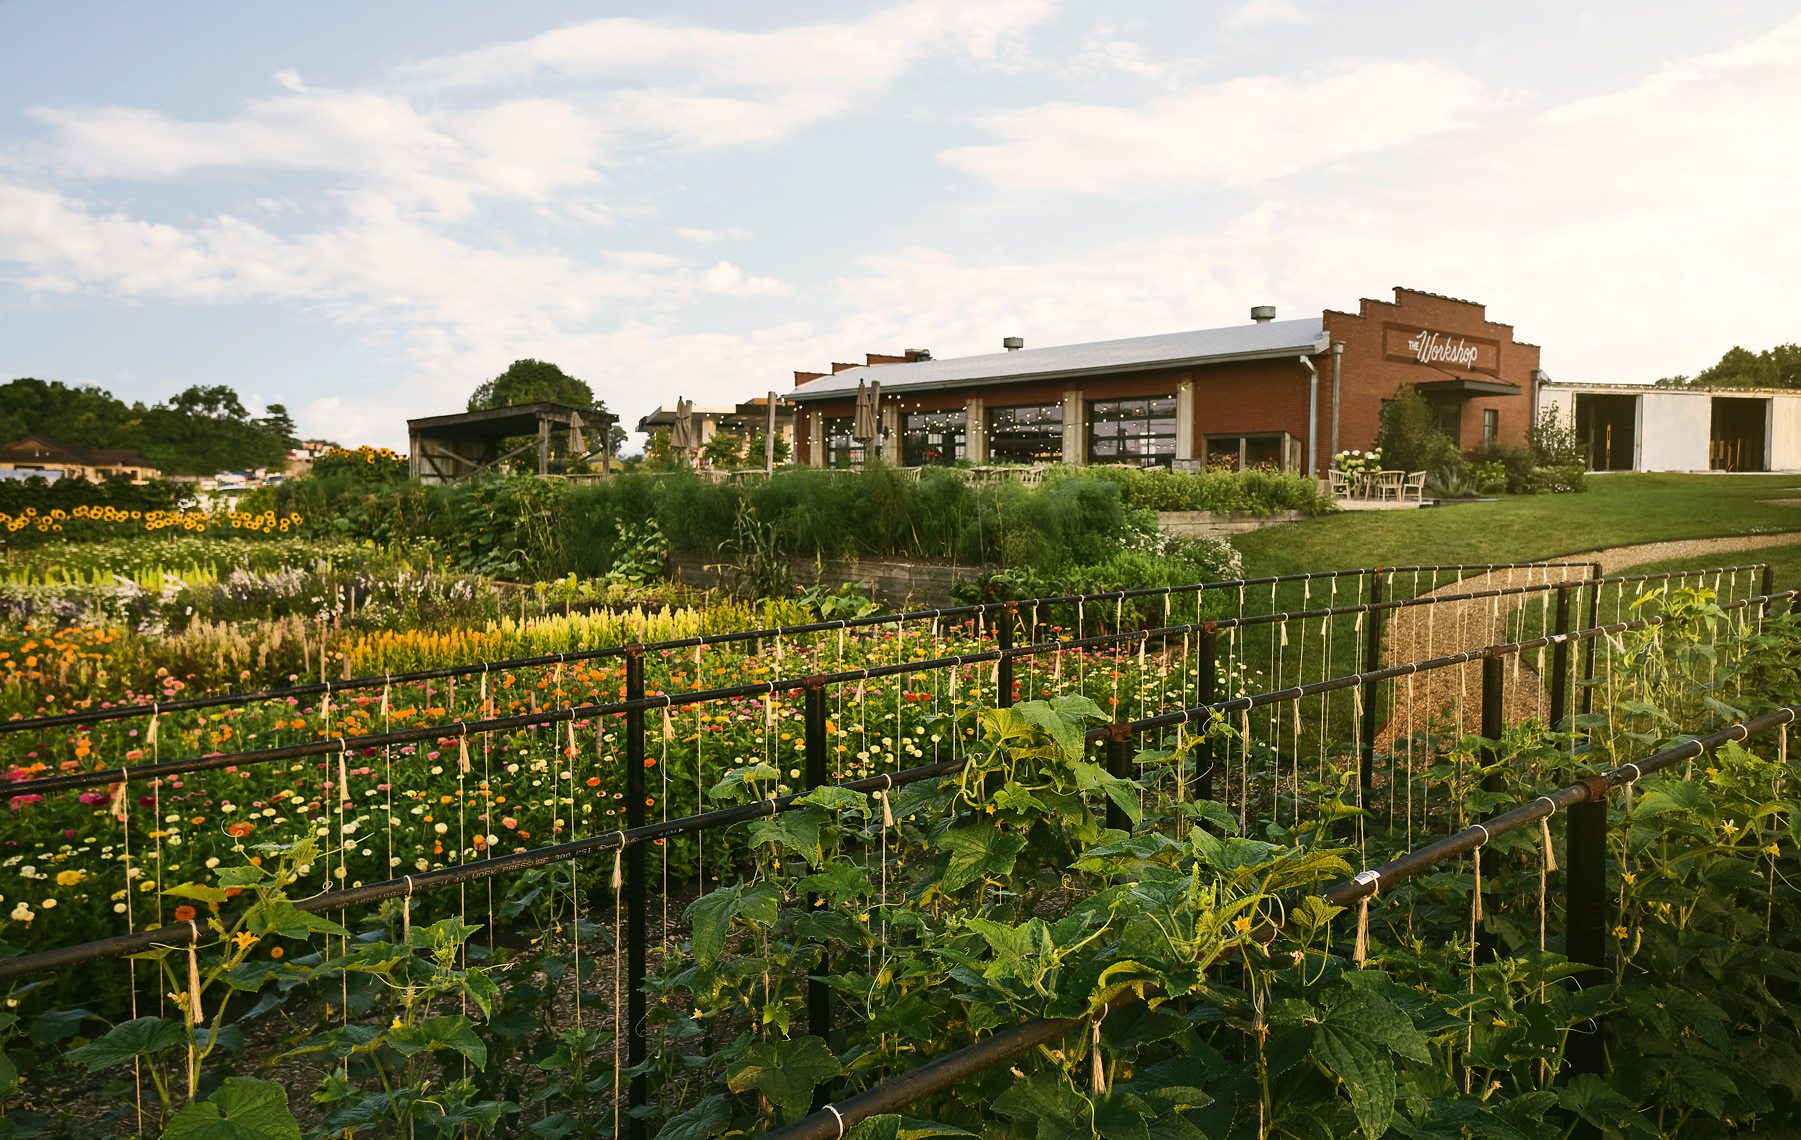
22,913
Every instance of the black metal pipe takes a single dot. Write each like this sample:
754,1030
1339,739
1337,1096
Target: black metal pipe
1588,650
1003,641
1206,661
1585,917
1560,660
819,995
1118,748
637,894
1372,656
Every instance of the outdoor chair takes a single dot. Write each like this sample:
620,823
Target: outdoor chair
1338,483
1413,489
1389,485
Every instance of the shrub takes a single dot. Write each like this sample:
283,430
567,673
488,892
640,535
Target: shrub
1554,442
1515,461
1409,438
1570,478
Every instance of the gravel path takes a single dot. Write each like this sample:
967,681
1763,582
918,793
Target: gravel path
1432,631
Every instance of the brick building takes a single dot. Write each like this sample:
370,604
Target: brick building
1284,392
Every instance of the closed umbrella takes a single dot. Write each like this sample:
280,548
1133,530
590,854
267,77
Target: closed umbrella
681,432
869,397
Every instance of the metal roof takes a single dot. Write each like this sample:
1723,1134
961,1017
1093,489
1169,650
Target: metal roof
1201,346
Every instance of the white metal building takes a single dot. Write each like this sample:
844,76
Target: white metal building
1637,427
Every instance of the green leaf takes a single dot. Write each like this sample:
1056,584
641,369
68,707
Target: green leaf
1599,1103
786,1072
55,1025
834,798
839,882
711,916
1355,1041
240,1109
1044,1096
978,850
798,830
450,1031
279,916
129,1039
199,892
697,1123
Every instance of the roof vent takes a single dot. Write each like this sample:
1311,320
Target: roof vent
1013,343
1263,314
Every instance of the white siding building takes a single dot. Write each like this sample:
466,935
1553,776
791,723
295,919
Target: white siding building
1636,427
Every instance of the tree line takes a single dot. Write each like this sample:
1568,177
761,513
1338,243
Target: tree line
201,430
1778,367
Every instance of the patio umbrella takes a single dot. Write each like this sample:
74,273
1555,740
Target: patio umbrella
681,432
868,399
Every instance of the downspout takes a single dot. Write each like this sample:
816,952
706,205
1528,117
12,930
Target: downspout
1337,372
1312,418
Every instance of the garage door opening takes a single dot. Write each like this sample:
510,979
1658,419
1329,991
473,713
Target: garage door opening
1609,427
1738,439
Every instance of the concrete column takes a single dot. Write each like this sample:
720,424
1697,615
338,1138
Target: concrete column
1075,427
1185,441
975,431
891,424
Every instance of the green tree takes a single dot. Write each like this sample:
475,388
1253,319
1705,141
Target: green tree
723,450
1409,435
531,381
277,422
205,429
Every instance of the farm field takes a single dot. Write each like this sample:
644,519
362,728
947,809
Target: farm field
414,908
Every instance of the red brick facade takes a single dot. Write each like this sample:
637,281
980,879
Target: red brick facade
1382,343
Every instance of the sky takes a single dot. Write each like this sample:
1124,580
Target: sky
362,211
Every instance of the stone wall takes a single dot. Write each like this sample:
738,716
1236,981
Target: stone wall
894,582
1218,524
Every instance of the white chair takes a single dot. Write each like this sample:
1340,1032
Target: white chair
1389,485
1338,483
1413,488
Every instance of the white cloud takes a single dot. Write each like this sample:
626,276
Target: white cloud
1242,132
728,279
711,237
1257,13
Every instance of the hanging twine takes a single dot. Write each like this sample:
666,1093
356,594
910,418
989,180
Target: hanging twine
463,764
195,1017
570,723
406,914
1360,951
668,725
769,710
619,865
887,808
839,1117
1057,665
150,733
1544,835
1097,1068
1476,915
343,772
1631,784
384,699
116,804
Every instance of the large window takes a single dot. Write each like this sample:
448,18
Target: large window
931,437
1267,451
840,449
1138,432
1031,433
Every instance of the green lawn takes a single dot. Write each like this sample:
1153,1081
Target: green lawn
1617,510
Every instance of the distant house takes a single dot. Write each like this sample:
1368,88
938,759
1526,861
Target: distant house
1639,427
37,454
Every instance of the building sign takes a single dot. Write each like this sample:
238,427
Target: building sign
1447,352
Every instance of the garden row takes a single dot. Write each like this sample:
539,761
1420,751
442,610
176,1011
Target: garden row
1267,786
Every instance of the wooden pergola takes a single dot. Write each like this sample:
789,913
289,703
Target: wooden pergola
449,449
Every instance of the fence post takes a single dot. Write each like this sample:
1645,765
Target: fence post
1003,640
819,995
1372,660
1204,690
1588,649
1493,725
1766,587
637,902
1560,660
1118,764
1585,911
